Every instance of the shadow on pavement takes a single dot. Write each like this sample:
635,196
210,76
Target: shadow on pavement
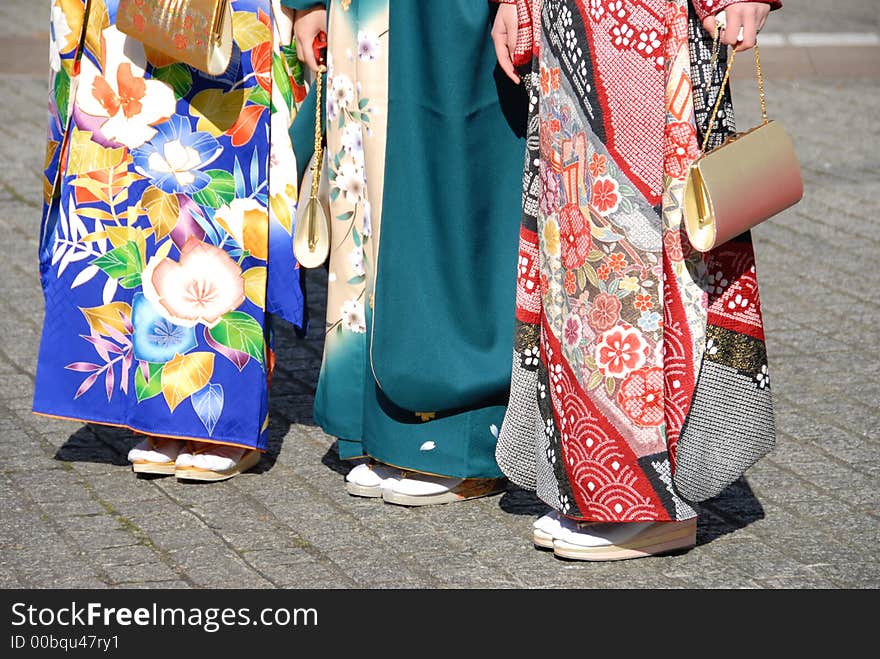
332,461
734,509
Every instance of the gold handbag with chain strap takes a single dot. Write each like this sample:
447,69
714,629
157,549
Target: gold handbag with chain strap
195,32
751,177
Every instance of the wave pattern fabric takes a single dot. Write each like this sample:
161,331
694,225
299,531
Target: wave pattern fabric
167,229
626,337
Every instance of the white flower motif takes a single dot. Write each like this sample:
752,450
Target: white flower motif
369,47
530,357
350,181
738,301
763,377
356,258
623,35
119,91
353,318
353,138
649,41
616,7
542,390
342,91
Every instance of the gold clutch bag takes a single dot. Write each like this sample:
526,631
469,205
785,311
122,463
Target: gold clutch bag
750,178
311,237
195,32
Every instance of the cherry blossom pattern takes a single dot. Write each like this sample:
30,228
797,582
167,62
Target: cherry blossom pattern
620,351
641,396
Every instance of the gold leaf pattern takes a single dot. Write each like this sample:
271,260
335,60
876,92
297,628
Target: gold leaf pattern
107,314
184,375
163,209
255,285
248,31
217,112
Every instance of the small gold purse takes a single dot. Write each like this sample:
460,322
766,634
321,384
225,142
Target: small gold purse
311,237
751,177
195,32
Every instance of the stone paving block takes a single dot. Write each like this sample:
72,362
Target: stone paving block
137,563
209,567
100,532
150,585
311,575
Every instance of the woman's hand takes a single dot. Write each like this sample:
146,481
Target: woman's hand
748,16
504,37
306,25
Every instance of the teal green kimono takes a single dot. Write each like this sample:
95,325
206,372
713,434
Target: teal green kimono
424,148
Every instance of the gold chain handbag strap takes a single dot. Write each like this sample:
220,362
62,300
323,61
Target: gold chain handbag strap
319,132
318,158
716,49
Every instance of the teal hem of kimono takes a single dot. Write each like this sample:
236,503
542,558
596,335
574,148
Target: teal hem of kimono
350,406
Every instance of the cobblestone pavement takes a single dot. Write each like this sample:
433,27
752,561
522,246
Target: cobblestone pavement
73,515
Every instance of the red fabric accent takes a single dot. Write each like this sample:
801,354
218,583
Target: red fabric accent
711,7
734,303
605,477
635,119
525,38
528,278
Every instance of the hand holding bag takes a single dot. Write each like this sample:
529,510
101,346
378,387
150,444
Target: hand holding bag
195,32
751,177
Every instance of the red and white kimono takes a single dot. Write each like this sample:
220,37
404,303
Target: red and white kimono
626,338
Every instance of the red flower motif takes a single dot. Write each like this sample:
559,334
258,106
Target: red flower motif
680,149
672,245
603,271
598,165
605,197
641,396
570,282
261,60
621,350
554,78
574,230
545,284
644,302
545,81
604,312
617,262
572,331
555,126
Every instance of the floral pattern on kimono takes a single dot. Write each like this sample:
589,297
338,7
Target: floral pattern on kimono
167,228
614,307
